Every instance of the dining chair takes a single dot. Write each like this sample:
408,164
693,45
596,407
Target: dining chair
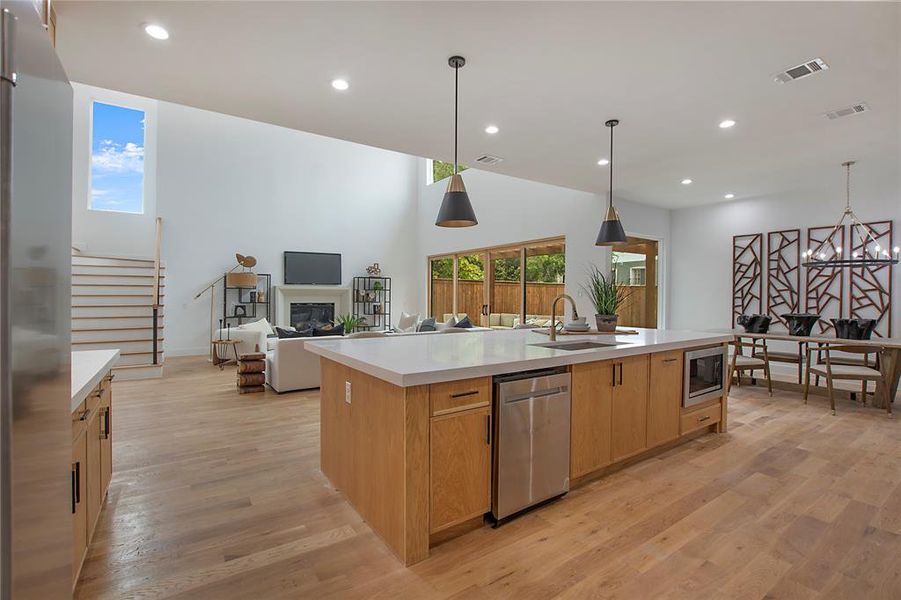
833,369
758,359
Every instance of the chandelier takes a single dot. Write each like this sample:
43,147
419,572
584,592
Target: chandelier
871,253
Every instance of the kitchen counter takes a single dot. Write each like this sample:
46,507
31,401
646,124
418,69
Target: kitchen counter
408,423
88,368
410,360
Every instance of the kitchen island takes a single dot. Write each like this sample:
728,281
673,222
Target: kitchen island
406,420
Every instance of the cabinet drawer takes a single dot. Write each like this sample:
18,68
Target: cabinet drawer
85,410
454,396
701,417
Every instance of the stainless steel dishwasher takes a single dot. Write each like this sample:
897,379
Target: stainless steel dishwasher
531,450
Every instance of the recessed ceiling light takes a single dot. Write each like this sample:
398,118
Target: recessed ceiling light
157,32
492,129
603,162
729,196
340,84
686,181
727,124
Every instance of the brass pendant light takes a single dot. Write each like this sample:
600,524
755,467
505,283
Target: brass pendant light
456,210
612,232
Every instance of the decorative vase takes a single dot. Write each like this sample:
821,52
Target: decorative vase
606,322
754,323
800,324
854,329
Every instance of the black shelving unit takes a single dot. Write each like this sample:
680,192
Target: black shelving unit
372,301
247,297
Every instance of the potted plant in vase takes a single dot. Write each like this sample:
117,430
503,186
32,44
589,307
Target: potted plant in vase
607,298
350,322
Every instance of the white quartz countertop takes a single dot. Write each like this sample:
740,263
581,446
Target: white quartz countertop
407,360
88,368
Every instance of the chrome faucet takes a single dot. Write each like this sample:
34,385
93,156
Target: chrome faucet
557,298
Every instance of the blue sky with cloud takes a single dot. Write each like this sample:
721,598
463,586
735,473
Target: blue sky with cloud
117,159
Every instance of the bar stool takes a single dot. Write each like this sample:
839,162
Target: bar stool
832,370
759,359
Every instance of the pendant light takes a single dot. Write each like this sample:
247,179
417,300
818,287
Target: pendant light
871,254
456,210
611,232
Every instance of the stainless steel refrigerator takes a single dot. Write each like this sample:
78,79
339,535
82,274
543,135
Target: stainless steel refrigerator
35,249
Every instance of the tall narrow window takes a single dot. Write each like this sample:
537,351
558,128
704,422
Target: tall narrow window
117,159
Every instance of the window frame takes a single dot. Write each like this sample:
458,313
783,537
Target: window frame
148,184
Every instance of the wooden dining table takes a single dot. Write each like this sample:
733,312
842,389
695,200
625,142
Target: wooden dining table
889,356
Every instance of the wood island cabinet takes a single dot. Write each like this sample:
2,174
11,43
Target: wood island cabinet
665,397
592,399
91,467
630,406
460,466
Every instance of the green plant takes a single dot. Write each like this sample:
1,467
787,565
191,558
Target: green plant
605,295
349,321
377,285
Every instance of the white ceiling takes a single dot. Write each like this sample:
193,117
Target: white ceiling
548,74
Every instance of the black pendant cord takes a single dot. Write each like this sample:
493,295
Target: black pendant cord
456,111
610,199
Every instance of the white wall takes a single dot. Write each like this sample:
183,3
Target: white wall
93,231
513,210
701,265
227,185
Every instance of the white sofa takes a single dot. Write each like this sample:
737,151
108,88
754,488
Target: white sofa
289,366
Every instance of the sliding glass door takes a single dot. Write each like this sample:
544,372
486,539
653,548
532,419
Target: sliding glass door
471,286
545,272
441,287
498,287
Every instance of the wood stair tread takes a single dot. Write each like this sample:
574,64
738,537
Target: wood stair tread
117,341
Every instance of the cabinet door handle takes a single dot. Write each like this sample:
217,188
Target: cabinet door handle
107,421
620,373
78,482
74,486
464,394
614,374
669,360
488,434
704,418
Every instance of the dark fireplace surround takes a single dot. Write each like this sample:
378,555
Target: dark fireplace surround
311,314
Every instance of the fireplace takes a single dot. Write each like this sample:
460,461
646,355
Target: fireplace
311,314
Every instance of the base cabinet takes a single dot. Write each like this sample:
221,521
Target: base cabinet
592,401
460,467
91,467
630,406
665,397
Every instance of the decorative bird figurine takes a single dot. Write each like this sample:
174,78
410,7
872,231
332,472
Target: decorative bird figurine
248,262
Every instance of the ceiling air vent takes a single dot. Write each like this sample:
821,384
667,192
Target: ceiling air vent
848,111
489,160
803,70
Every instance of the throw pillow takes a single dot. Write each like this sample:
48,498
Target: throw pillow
336,330
464,323
451,321
286,334
407,322
427,325
262,325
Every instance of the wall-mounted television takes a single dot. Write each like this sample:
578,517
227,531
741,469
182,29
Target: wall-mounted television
312,268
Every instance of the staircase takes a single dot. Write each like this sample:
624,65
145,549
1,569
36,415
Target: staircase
112,307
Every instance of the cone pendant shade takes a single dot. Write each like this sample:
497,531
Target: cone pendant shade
456,210
612,231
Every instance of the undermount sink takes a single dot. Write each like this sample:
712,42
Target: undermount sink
580,345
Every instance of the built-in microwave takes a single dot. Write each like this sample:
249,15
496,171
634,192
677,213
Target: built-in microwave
705,371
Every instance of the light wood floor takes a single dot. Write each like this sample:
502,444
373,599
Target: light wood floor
219,495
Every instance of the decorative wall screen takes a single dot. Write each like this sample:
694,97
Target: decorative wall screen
783,274
747,275
824,295
871,285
